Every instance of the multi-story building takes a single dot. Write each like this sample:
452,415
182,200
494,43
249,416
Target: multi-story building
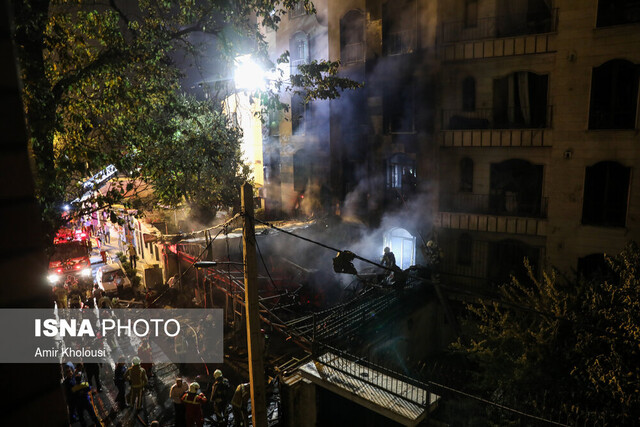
509,125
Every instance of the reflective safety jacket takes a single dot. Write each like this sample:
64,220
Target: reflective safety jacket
136,376
193,404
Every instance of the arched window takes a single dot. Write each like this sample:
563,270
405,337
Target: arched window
606,191
516,189
616,12
614,95
466,175
399,23
352,37
299,49
403,246
469,94
465,245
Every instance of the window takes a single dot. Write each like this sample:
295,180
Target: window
469,94
399,106
299,50
595,267
520,101
606,191
298,10
403,246
401,173
471,14
466,175
614,95
616,12
465,245
352,37
506,259
399,23
298,114
516,189
519,17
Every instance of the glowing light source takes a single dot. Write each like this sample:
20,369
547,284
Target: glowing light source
248,75
66,208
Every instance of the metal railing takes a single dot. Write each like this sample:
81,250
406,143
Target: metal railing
500,26
380,377
600,118
535,117
494,204
400,42
352,53
481,264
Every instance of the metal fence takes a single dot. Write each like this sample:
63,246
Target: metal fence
494,204
499,26
489,118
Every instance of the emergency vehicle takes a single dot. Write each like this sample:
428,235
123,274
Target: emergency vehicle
71,257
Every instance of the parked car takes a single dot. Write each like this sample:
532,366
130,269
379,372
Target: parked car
111,278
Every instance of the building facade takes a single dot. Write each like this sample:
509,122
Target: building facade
510,126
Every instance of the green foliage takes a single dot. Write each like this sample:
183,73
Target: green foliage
573,344
101,87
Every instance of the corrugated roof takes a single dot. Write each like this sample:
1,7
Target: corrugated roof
379,392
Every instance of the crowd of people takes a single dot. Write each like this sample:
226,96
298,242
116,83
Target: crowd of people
83,381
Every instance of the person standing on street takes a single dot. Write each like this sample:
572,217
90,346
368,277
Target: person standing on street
118,379
175,394
146,356
137,378
132,255
93,372
84,403
239,404
220,396
193,402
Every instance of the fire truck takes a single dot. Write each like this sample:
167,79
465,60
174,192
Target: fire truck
71,257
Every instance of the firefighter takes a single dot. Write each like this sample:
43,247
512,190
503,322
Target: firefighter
104,301
137,378
62,295
75,295
83,401
220,396
146,355
193,402
389,259
239,404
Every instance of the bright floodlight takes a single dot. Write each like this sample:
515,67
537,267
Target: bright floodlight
248,75
66,208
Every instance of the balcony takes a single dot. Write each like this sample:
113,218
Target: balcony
400,42
352,53
494,27
489,204
485,264
517,34
601,118
488,127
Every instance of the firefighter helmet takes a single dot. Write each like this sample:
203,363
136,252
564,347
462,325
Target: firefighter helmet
193,387
217,374
136,360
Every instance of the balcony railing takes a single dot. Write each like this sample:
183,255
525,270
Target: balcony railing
490,204
400,42
352,53
600,118
489,118
500,26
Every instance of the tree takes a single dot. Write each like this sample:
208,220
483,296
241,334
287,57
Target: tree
569,346
100,84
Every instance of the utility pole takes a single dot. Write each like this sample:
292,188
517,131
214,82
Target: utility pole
254,336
